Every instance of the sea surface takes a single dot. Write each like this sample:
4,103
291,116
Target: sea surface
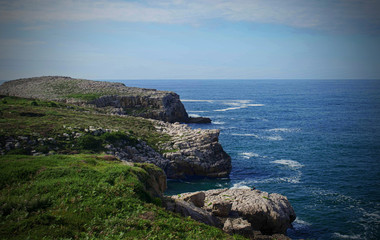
315,141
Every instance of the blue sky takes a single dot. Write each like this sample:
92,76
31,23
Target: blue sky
199,39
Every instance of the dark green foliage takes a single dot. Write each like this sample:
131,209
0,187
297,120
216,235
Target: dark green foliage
115,137
89,142
34,103
85,197
52,104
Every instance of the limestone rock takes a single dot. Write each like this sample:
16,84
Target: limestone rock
196,198
237,226
221,209
193,152
269,213
188,209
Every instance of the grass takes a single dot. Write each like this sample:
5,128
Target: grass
86,197
84,96
28,117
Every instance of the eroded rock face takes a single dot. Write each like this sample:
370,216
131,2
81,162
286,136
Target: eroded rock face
194,152
148,103
244,210
165,106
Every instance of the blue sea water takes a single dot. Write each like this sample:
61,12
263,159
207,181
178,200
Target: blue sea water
315,141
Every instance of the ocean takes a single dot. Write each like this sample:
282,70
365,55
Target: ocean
315,141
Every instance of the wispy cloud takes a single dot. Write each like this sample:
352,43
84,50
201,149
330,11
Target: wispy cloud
330,15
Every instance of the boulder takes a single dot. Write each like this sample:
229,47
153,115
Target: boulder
268,213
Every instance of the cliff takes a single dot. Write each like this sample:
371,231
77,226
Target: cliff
118,98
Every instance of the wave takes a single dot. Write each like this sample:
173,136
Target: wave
294,179
227,109
271,138
194,115
240,185
197,111
283,130
248,155
245,135
290,163
218,123
238,106
343,236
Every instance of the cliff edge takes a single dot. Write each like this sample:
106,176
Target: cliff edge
116,97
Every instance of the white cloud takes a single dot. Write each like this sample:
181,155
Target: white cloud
332,15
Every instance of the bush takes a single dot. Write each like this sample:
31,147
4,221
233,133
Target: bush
114,137
89,142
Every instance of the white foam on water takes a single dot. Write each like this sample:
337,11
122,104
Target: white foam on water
290,163
194,115
283,130
343,236
295,179
245,135
197,111
227,109
238,104
240,185
255,105
301,222
218,122
273,138
248,155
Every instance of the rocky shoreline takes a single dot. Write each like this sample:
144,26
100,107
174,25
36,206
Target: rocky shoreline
186,152
248,212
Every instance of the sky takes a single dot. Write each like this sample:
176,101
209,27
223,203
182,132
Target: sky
195,39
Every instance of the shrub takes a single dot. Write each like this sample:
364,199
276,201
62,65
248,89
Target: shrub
89,142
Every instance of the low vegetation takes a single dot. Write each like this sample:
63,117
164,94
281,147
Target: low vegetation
48,119
85,197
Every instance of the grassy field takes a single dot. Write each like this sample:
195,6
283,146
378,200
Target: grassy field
85,197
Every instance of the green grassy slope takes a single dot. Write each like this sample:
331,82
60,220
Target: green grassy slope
39,119
85,197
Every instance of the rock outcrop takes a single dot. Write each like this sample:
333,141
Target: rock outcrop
193,152
148,103
245,211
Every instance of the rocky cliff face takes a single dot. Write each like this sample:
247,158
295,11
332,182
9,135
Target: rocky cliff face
166,107
148,103
189,152
193,152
